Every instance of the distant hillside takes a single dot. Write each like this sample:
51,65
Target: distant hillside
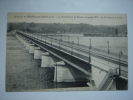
58,28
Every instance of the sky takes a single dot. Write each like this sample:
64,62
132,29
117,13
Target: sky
88,18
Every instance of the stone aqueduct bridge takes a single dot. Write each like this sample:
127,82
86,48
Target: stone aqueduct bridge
101,70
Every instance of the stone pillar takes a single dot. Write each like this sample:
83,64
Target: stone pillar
19,38
31,48
27,45
47,60
62,73
37,53
112,85
23,41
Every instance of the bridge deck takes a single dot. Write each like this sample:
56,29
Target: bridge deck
65,50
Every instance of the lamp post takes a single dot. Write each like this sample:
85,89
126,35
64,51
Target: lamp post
51,39
61,36
32,35
68,38
45,38
72,48
56,75
59,44
41,36
37,35
89,55
108,46
90,43
78,40
55,36
120,54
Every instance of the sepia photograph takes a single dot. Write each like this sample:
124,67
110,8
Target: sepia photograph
66,52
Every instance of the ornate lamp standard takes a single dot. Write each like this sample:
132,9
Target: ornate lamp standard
37,35
59,44
78,40
72,48
108,46
61,37
89,55
51,39
90,43
68,38
45,38
120,54
56,74
41,36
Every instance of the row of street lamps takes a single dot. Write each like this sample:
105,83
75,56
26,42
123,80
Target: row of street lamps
77,41
120,53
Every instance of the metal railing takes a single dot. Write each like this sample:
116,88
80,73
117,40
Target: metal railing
79,51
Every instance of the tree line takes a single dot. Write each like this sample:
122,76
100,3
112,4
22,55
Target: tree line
59,28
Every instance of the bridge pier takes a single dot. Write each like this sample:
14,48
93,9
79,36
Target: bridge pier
37,53
47,60
31,48
27,45
112,85
23,41
103,80
62,73
97,76
20,39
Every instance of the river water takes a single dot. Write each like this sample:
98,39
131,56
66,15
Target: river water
116,44
23,72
